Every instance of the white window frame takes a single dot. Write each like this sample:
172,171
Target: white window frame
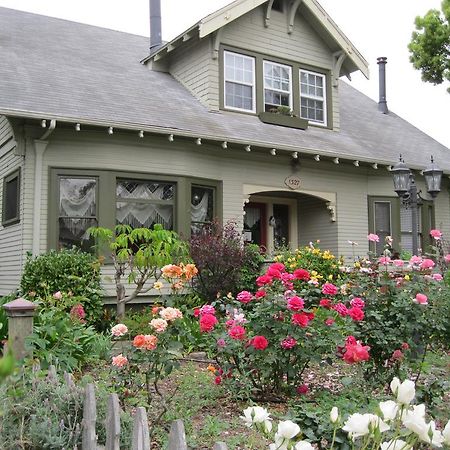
313,97
277,90
253,84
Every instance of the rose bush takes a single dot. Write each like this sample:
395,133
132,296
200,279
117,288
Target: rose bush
264,340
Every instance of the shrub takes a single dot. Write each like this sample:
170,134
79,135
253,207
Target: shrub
3,319
264,341
252,263
39,412
224,263
72,272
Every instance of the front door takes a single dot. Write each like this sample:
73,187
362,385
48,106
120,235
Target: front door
255,224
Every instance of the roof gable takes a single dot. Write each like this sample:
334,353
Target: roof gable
322,21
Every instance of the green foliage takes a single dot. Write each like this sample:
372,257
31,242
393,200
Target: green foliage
140,253
3,319
447,278
72,272
60,340
42,413
251,267
430,45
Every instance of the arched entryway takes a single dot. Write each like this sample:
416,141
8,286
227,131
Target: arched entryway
276,218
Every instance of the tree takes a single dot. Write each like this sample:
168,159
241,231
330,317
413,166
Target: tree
140,253
430,45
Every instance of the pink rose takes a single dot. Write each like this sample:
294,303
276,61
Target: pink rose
355,352
341,309
170,314
273,273
278,266
263,280
437,277
421,299
325,303
447,258
207,309
415,260
398,355
357,302
221,343
77,313
329,321
286,276
288,343
398,262
237,333
385,260
296,303
119,360
329,289
57,295
207,323
159,325
301,274
119,330
356,314
245,297
373,237
436,234
301,319
427,264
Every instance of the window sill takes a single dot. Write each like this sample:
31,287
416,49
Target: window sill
10,222
283,120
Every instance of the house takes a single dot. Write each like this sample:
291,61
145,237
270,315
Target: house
94,130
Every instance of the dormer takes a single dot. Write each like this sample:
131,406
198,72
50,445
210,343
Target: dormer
260,56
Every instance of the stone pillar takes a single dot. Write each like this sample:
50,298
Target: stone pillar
20,314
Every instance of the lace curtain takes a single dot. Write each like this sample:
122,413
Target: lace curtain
199,212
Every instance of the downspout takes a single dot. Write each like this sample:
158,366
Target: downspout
40,145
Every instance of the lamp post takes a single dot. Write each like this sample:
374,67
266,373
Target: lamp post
406,189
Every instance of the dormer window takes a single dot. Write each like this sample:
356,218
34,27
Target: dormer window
313,97
239,82
277,86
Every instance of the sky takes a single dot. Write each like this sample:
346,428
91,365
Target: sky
376,28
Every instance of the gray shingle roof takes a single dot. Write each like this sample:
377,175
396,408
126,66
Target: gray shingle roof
52,68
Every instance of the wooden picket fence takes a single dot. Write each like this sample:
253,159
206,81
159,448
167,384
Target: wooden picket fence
140,435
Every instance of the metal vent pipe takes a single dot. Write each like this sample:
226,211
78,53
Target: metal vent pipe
382,103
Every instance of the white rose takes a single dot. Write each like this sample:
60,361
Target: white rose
414,419
446,434
389,409
303,445
287,429
358,425
334,414
256,414
396,444
430,435
406,392
395,383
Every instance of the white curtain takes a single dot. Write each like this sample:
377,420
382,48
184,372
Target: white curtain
140,215
77,197
199,212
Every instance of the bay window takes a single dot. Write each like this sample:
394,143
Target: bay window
202,207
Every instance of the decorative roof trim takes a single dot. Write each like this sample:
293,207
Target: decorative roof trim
238,8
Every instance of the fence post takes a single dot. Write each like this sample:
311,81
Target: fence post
113,423
20,314
177,436
89,438
141,437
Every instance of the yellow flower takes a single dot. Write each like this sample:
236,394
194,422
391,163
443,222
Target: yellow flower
292,266
316,251
330,277
319,277
157,285
357,264
407,277
313,273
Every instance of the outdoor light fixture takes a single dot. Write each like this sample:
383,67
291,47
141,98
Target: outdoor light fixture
198,141
273,152
43,123
356,163
248,148
110,130
224,144
141,134
77,127
170,137
375,166
406,189
317,158
336,160
295,155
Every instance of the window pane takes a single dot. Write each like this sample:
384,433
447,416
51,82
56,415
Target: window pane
77,212
11,206
145,190
382,223
406,227
144,215
239,96
281,225
202,204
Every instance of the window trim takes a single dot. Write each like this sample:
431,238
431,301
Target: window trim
253,85
16,173
259,84
106,197
291,96
312,97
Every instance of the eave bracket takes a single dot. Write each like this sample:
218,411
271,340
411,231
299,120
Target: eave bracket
292,12
338,60
268,13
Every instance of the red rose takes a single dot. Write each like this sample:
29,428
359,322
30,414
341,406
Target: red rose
302,389
260,294
329,289
273,273
263,280
356,352
218,380
260,343
357,302
300,319
398,355
196,312
237,332
302,274
296,303
329,321
207,323
278,266
405,346
325,303
356,314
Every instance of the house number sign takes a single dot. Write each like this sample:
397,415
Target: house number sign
292,182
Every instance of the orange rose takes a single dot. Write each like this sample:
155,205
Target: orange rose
172,271
139,341
150,342
190,271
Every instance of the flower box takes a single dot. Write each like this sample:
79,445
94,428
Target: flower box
283,120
